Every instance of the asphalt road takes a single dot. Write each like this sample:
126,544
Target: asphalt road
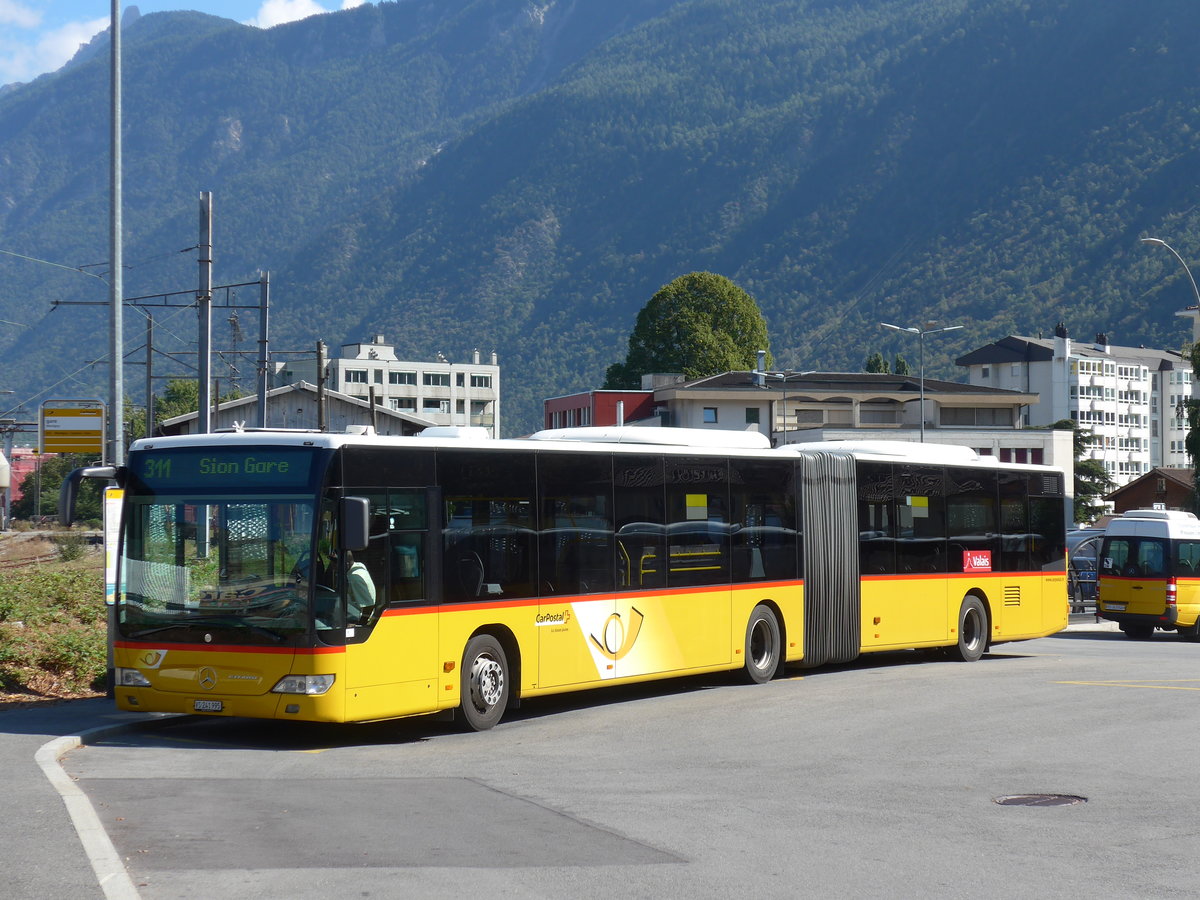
878,779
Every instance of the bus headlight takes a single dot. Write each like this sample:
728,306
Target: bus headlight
131,678
303,684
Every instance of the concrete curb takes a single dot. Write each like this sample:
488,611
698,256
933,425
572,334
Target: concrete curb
101,853
106,862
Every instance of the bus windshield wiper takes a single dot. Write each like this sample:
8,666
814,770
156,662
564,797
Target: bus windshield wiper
220,623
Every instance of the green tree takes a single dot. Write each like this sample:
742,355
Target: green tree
52,472
1091,478
700,324
901,366
877,364
181,395
1192,442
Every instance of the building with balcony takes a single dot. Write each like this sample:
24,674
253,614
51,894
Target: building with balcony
822,406
1132,399
440,392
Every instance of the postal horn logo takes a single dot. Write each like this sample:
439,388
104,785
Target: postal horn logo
617,639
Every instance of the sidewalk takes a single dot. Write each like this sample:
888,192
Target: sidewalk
43,853
1088,622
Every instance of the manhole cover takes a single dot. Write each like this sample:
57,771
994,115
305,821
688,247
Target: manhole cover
1040,800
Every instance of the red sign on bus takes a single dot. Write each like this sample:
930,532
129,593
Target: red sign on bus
977,560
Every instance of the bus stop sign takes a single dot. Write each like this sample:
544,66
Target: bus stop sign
71,426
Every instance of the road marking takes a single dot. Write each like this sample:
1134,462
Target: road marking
106,862
1173,685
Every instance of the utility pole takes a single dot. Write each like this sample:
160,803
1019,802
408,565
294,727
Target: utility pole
116,350
204,300
264,345
320,385
150,375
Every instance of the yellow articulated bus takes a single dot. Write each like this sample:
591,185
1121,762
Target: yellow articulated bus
338,578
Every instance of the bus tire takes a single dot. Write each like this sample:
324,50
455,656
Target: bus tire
972,630
764,645
485,685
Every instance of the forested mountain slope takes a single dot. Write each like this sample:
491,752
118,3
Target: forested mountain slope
523,176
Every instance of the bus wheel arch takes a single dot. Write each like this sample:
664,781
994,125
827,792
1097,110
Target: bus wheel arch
490,667
764,643
974,629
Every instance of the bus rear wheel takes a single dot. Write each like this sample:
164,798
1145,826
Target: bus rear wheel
764,645
972,630
484,683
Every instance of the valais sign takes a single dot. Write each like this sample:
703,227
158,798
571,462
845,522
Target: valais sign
977,560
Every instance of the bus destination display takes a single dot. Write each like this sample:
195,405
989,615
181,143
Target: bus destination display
265,467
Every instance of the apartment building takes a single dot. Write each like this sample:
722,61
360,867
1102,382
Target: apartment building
1132,399
442,392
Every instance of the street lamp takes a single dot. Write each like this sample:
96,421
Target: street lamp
1196,291
1163,243
920,333
760,378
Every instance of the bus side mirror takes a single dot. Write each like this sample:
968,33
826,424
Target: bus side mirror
354,529
69,490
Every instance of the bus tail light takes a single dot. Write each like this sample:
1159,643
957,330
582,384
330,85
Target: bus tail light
303,684
1171,592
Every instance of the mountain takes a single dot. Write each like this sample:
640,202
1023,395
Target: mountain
521,176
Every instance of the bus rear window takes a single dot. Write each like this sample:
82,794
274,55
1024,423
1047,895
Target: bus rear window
1134,557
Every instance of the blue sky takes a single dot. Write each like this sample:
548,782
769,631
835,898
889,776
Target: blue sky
38,36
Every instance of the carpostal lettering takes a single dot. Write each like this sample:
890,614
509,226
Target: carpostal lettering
554,618
211,465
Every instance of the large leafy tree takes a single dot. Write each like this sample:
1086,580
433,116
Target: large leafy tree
1092,481
50,475
700,324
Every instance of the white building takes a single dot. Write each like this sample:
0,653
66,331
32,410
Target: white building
441,392
1132,399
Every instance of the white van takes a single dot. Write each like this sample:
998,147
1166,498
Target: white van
1149,572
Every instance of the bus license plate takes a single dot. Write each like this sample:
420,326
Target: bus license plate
207,706
1115,607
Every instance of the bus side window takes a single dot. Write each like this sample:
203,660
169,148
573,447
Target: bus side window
576,536
762,497
640,514
405,523
489,541
876,523
698,513
1187,558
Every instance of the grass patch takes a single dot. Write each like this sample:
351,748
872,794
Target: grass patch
53,638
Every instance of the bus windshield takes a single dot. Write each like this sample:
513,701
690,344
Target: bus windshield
216,569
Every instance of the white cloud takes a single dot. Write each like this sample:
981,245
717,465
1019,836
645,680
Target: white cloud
25,60
346,4
13,13
277,12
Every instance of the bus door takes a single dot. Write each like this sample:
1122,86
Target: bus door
673,566
579,626
391,615
1133,574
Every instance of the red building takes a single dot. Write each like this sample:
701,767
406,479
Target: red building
24,461
597,408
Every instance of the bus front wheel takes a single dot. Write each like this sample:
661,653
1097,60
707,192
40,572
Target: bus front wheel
972,630
485,684
764,646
